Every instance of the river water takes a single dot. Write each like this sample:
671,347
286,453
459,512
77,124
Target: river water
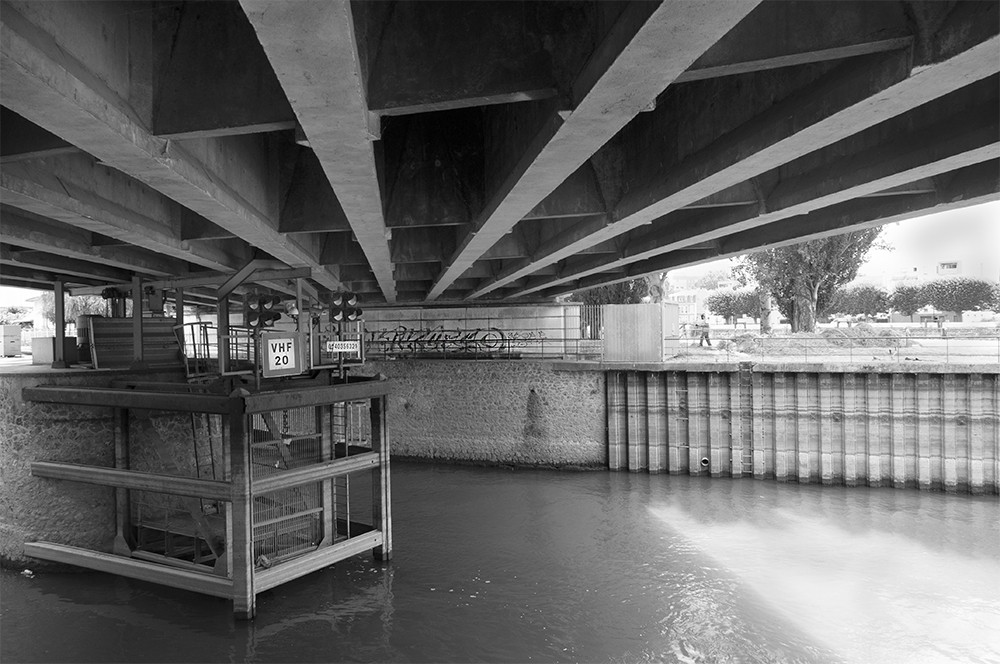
541,566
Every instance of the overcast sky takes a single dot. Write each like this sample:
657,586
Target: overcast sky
970,236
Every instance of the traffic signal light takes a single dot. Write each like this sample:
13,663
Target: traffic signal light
261,310
343,307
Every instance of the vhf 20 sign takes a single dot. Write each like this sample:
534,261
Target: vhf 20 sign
281,354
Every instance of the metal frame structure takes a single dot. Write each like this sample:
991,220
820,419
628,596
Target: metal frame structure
281,522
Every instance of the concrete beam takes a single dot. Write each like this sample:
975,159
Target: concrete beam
313,50
31,232
859,94
624,76
953,143
229,181
234,91
33,275
76,190
311,206
786,34
21,139
70,267
973,185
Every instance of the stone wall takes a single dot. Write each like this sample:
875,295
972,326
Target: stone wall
495,412
40,509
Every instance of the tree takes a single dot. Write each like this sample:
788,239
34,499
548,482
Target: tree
623,292
731,304
75,306
906,299
860,299
712,280
803,277
11,315
959,294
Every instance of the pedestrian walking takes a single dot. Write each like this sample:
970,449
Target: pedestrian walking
703,326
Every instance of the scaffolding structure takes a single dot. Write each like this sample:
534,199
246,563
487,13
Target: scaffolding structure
284,481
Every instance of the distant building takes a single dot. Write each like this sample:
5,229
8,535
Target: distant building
690,304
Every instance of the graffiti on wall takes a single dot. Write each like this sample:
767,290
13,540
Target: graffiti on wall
403,340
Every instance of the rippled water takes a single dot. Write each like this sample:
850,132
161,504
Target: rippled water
537,566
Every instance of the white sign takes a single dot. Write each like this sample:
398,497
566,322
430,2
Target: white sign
343,346
281,355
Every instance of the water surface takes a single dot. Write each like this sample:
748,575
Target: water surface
537,566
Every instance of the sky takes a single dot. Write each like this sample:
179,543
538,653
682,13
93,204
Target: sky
970,236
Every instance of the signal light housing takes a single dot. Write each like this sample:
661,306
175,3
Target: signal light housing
260,310
343,307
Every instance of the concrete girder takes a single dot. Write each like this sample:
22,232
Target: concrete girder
313,50
76,190
974,185
34,275
853,97
45,82
959,141
31,232
71,267
21,139
626,73
232,92
785,34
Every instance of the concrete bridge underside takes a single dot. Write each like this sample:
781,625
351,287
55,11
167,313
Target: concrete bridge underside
469,151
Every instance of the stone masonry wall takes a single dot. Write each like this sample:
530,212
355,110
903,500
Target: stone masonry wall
42,509
524,413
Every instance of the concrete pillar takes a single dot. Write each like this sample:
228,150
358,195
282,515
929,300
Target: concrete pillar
977,429
59,350
826,427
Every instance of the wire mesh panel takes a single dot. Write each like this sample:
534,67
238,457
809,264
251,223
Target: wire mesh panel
285,521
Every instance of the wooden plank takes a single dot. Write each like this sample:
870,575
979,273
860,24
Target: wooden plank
132,479
207,584
315,473
141,399
315,560
316,396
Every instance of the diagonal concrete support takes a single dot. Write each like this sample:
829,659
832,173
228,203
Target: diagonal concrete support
77,191
623,78
856,96
312,47
972,185
953,143
58,92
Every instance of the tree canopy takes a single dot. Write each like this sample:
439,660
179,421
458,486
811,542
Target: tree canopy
906,299
11,315
862,299
803,277
959,294
624,292
76,305
731,304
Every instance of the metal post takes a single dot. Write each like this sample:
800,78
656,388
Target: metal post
241,545
137,359
59,350
123,539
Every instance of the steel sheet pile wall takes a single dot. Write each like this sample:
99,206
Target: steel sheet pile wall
901,429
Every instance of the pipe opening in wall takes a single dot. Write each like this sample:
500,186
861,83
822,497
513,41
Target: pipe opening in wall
704,462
